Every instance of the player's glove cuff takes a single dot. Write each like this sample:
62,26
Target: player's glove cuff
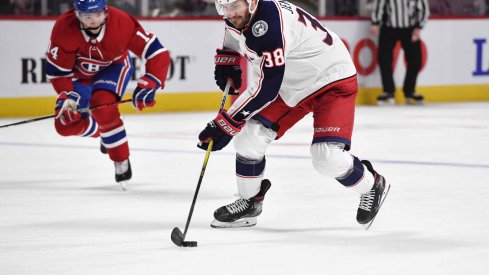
67,95
149,81
227,124
227,58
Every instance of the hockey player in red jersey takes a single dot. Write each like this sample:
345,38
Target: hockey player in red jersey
88,64
298,67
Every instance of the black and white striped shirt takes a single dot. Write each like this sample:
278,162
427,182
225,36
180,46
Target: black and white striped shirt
400,13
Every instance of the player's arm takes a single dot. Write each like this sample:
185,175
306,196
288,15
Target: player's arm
157,62
268,73
59,70
154,55
59,67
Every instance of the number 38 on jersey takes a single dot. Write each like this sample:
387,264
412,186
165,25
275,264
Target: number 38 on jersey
275,58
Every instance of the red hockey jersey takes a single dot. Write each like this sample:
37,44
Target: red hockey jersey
73,54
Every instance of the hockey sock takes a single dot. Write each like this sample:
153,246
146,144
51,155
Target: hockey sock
357,178
249,173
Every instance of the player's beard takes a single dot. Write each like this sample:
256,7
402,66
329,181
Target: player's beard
241,21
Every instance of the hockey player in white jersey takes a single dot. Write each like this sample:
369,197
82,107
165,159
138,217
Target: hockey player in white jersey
299,66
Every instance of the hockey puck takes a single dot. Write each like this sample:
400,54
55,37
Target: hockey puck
189,244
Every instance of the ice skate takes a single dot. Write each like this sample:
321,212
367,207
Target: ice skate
371,202
414,99
385,99
242,212
123,173
103,149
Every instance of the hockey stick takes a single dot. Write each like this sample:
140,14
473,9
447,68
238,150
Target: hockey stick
84,110
177,236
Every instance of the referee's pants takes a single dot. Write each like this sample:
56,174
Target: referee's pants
412,52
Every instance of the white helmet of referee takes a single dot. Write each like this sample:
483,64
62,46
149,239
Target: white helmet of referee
220,8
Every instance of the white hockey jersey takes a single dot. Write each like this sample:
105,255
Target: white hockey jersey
292,55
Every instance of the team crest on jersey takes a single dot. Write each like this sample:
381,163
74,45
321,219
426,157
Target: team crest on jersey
260,28
90,67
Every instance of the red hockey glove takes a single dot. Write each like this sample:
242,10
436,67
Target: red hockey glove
144,94
66,109
227,66
222,129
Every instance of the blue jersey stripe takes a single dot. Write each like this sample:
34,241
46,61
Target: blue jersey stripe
152,48
53,72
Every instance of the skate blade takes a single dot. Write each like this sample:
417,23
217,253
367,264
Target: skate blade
125,184
244,222
388,102
386,191
414,102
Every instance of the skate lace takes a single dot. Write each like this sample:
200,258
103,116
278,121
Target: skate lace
366,200
237,206
121,167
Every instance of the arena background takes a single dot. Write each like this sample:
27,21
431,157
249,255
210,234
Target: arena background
455,60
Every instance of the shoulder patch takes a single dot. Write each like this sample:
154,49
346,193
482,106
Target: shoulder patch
259,28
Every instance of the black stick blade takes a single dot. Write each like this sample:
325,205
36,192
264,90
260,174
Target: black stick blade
177,236
189,244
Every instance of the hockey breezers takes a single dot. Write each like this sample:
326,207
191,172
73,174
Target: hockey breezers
177,236
84,110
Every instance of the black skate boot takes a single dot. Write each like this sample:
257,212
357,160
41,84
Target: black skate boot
371,202
103,149
385,99
242,212
123,173
414,99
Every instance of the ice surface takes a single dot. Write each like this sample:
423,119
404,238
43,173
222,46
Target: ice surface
61,211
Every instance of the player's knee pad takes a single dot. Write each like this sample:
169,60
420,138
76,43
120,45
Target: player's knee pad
253,140
330,159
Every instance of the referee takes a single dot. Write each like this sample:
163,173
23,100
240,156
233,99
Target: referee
399,20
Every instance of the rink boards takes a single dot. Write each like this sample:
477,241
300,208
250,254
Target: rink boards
455,63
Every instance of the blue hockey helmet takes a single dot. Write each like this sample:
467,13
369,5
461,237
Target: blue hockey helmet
89,6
